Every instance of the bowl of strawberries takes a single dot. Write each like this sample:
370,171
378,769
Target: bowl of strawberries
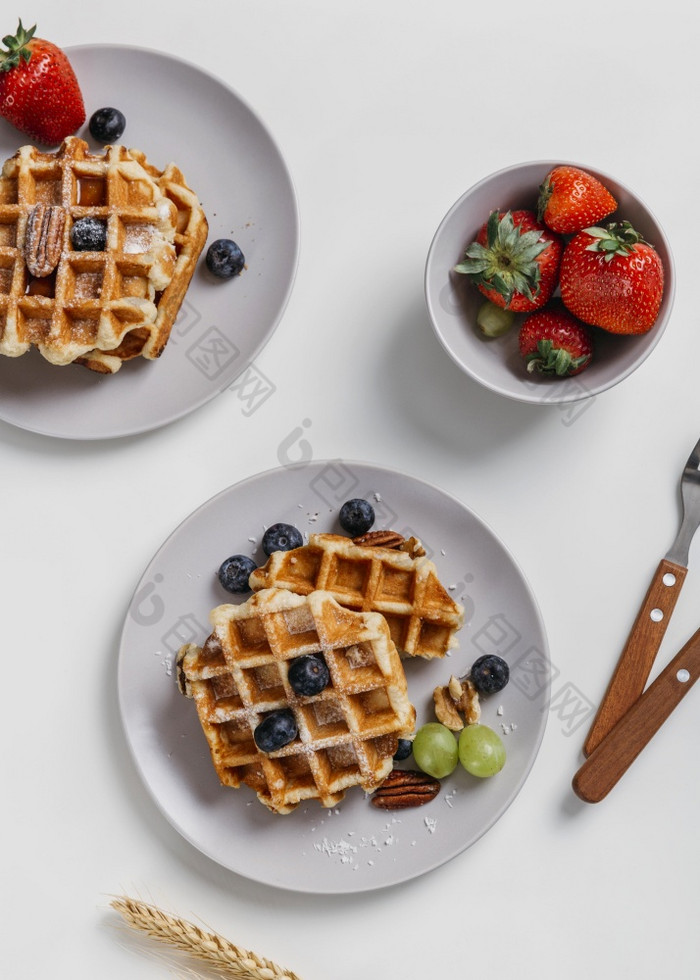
549,282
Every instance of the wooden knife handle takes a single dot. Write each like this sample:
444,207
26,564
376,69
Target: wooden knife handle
618,750
637,658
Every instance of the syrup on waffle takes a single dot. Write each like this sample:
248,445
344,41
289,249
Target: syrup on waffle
423,618
96,308
347,734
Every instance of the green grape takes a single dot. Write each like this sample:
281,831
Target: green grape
481,751
494,321
435,750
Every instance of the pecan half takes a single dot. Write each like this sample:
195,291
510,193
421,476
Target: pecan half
43,241
380,539
405,788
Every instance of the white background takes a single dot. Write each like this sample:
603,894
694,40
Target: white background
385,115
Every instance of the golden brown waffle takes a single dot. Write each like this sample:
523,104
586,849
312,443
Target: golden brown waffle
423,618
347,734
96,308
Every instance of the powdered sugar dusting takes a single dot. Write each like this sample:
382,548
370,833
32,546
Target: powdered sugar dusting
354,850
167,660
342,849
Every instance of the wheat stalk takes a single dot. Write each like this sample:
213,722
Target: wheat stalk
232,961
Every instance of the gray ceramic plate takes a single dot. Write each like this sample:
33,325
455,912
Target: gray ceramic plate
354,847
176,112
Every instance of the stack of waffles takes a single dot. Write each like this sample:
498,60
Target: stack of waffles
362,607
97,308
401,585
347,733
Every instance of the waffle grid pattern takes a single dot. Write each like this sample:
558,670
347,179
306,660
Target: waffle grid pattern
191,230
98,308
347,734
423,618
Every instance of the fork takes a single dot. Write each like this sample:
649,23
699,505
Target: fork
637,658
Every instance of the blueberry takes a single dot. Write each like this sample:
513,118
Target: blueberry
281,537
308,675
107,125
276,730
235,572
404,749
224,258
356,516
89,235
489,674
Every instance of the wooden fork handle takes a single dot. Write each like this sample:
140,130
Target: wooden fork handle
618,750
637,658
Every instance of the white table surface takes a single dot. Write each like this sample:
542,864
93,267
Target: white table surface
385,115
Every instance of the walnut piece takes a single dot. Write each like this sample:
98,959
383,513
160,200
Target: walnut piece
469,703
446,709
414,547
457,703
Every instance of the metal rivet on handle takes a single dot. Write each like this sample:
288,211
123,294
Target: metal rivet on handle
656,615
683,675
669,579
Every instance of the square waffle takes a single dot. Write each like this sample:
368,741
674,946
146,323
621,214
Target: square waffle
423,618
347,734
97,308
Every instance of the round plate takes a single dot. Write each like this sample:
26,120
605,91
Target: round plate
175,112
354,847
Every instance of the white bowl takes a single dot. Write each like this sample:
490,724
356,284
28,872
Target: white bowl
453,301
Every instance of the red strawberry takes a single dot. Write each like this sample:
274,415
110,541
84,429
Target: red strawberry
39,93
553,342
571,199
612,278
514,261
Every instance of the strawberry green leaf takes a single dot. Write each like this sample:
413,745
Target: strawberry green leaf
545,192
16,47
619,238
507,263
548,359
